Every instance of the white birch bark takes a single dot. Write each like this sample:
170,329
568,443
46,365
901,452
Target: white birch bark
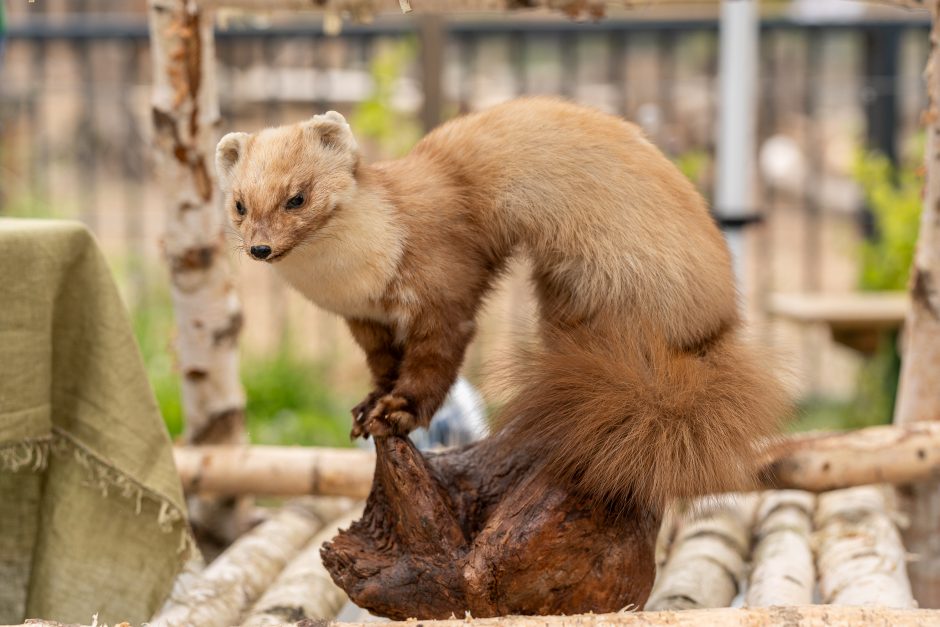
238,577
706,565
304,589
185,113
782,569
860,558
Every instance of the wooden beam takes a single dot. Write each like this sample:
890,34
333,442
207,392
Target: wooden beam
815,462
829,461
789,616
275,470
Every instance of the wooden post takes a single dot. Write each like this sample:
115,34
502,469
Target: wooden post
919,394
431,34
208,314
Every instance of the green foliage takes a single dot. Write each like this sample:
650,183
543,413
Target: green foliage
288,399
873,403
28,206
894,196
153,327
374,118
694,164
289,403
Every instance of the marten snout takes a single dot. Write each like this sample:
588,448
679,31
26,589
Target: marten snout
262,251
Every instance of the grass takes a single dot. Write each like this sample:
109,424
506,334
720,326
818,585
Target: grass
288,398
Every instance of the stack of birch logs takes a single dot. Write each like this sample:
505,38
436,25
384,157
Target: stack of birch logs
780,557
776,548
272,575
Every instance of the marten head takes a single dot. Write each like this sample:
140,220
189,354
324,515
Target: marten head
283,185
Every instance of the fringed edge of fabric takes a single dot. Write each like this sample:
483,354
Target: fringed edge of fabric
33,455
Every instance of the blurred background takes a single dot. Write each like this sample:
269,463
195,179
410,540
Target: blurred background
839,156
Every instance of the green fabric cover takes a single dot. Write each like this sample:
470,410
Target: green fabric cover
91,508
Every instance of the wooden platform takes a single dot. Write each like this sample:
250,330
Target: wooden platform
856,320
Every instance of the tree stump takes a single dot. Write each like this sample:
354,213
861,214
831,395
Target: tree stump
482,529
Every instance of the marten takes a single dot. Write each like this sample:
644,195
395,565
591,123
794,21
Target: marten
639,389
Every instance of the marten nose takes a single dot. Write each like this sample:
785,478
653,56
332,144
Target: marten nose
260,252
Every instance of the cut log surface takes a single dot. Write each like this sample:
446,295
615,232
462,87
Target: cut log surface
707,563
479,529
793,616
801,616
304,590
782,569
235,580
860,557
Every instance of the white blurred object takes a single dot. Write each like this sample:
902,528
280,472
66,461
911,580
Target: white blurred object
785,168
460,420
826,10
782,164
649,117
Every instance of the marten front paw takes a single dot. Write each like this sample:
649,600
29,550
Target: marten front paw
392,414
361,412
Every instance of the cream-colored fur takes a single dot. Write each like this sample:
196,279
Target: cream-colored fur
346,266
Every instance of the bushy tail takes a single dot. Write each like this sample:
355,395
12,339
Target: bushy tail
628,420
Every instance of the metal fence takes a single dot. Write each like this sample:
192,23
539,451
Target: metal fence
74,116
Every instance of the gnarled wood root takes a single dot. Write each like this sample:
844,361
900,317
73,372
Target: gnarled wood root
480,529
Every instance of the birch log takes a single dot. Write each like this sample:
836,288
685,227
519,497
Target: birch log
860,557
919,392
304,590
707,563
885,454
813,462
208,315
275,470
235,580
782,570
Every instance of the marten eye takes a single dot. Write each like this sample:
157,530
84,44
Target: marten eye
295,201
240,208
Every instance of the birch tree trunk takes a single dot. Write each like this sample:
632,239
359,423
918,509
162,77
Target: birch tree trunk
208,314
919,394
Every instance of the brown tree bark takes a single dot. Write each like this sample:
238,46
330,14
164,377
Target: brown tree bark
919,393
480,530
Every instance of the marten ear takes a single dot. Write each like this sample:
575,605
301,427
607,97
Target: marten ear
227,154
333,131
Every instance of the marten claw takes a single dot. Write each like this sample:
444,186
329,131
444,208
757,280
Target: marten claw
391,415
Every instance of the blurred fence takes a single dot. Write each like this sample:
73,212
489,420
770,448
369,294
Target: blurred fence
74,110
